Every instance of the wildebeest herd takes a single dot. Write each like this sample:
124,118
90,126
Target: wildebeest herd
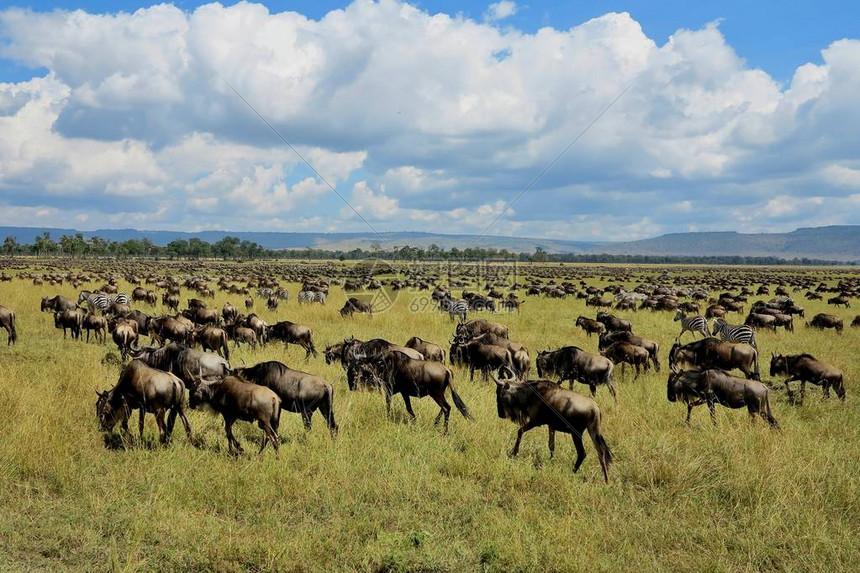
186,360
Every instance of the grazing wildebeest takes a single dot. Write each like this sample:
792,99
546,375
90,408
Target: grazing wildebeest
431,352
626,353
57,303
94,322
840,300
482,357
480,326
519,352
653,348
760,321
822,321
805,368
715,386
272,303
167,328
202,316
187,363
299,392
212,338
714,353
590,326
236,399
538,403
71,320
399,374
141,387
856,322
124,333
353,305
613,323
242,334
7,321
572,363
352,349
292,333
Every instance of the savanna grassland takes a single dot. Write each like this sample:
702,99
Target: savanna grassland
389,494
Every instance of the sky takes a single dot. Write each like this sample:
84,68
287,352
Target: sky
431,116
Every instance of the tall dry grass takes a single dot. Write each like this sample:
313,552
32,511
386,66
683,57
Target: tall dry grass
399,496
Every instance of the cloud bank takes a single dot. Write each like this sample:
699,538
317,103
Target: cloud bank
421,121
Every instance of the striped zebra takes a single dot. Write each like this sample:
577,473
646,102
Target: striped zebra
733,333
692,323
457,308
311,296
101,301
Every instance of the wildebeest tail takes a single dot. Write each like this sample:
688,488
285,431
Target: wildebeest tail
769,416
757,370
457,400
604,454
276,414
225,347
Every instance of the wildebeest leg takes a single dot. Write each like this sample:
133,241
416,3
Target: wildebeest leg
788,388
689,411
232,442
636,367
580,450
523,429
162,431
593,388
712,408
551,443
471,374
802,391
408,404
306,418
140,422
387,402
444,410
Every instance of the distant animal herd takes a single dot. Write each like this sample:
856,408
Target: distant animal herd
187,359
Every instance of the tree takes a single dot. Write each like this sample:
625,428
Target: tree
177,248
149,248
44,245
540,255
198,248
226,248
98,246
11,246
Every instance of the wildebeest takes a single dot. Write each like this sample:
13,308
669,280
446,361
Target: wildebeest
352,349
141,387
299,392
653,348
399,374
167,328
71,320
538,403
715,386
715,353
822,321
242,334
626,353
353,305
187,363
236,399
480,326
431,352
760,321
124,333
590,326
292,333
229,313
613,323
482,357
202,316
212,338
94,322
171,301
840,300
572,363
272,303
57,303
806,368
519,352
7,321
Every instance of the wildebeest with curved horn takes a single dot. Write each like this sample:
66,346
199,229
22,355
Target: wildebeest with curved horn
613,323
237,399
590,326
57,303
538,403
299,392
399,374
479,326
806,368
292,333
141,387
715,353
7,321
353,305
714,386
572,363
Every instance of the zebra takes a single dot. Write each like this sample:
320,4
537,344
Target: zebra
734,333
101,301
457,308
692,323
311,296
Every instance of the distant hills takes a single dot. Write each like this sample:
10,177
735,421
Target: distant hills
836,243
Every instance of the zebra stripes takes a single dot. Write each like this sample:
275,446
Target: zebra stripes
101,301
311,296
692,323
733,333
457,308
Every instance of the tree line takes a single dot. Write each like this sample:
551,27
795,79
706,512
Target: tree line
233,248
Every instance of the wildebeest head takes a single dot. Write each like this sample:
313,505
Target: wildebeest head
202,394
673,386
333,352
778,364
107,412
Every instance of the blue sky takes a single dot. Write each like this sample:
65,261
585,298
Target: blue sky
431,115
